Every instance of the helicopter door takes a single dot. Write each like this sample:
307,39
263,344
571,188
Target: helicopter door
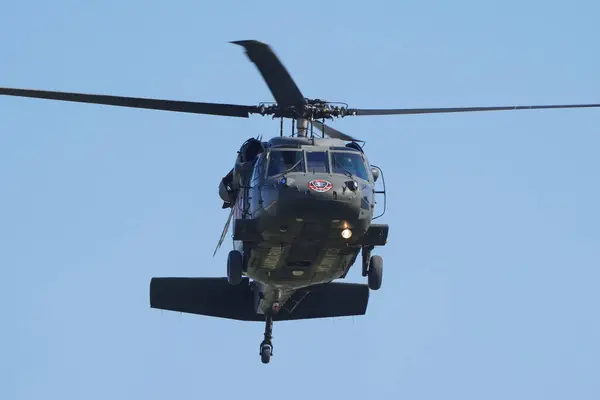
256,182
241,206
258,172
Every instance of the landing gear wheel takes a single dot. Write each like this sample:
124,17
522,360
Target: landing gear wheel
375,272
266,347
266,351
235,263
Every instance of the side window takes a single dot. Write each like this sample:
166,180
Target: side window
369,170
317,161
259,169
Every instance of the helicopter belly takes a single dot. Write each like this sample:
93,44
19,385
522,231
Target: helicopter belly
300,264
298,230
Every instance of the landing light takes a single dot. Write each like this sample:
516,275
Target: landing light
346,233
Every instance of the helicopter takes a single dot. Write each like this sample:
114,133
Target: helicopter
301,207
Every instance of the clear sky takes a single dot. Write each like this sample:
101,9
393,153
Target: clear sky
492,268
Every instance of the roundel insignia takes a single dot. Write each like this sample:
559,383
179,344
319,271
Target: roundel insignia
320,185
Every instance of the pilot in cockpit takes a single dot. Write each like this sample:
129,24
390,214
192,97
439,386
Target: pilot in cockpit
346,162
275,163
282,161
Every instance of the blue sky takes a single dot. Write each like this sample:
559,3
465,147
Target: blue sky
490,282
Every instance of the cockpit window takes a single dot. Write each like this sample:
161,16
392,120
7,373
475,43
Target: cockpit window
259,168
317,161
281,161
346,162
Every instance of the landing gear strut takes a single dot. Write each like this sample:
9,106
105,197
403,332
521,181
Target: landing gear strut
366,254
266,347
372,266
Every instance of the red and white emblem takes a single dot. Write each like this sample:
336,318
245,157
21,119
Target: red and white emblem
320,185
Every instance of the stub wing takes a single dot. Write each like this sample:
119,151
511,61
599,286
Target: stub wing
215,297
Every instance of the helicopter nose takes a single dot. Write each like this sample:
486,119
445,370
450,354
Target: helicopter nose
318,197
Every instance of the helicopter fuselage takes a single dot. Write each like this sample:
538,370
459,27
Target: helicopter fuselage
302,208
302,212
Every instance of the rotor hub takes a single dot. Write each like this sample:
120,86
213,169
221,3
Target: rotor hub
311,109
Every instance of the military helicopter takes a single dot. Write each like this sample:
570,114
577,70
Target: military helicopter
301,208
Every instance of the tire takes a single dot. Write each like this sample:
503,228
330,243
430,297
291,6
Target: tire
235,265
375,272
265,354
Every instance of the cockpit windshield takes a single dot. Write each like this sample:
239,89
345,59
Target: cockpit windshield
281,161
346,162
317,161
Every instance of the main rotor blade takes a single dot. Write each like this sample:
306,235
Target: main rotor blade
331,132
407,111
282,86
230,110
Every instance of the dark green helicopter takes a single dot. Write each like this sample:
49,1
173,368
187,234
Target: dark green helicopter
301,208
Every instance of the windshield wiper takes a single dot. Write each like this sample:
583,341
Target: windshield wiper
292,167
348,173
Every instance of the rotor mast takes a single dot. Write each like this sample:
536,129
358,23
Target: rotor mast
302,127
